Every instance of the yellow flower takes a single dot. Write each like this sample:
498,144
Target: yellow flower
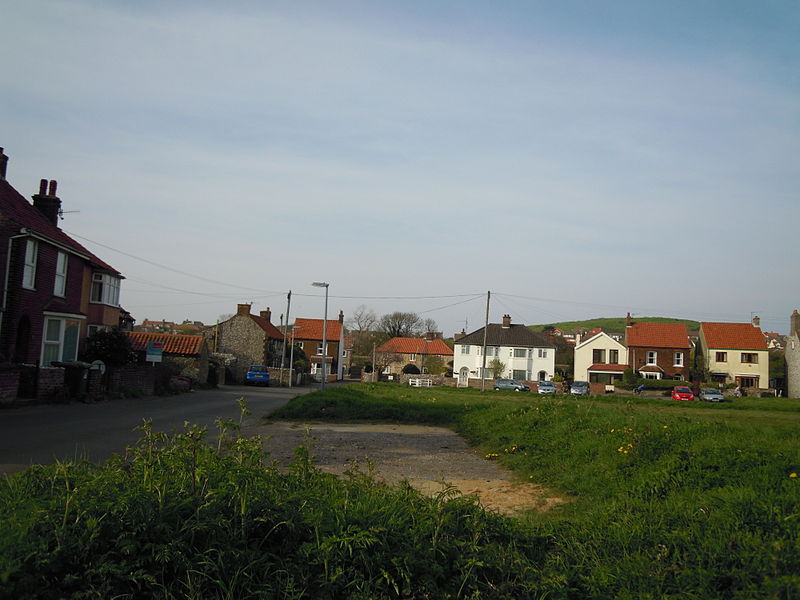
666,427
793,475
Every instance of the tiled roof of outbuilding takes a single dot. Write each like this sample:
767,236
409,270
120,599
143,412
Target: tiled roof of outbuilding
404,345
173,343
733,336
513,335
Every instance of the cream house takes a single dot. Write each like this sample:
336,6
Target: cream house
600,359
735,353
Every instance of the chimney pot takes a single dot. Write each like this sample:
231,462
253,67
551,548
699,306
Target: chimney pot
53,186
506,321
48,203
43,187
267,315
757,321
341,316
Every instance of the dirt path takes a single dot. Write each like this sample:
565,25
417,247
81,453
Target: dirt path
428,457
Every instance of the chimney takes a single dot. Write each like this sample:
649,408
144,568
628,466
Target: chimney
458,336
756,321
341,316
430,336
242,310
47,202
506,321
794,323
267,314
628,321
3,164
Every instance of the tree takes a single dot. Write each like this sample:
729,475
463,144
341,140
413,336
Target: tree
112,346
496,366
428,325
433,364
400,324
362,325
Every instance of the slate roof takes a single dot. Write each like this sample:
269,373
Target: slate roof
405,345
311,329
514,335
658,335
15,207
173,343
733,336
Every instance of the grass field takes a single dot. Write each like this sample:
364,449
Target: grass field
668,500
671,500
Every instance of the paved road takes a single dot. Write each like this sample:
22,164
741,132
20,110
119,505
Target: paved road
40,434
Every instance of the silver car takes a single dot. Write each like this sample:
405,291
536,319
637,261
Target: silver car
546,387
510,384
579,388
711,395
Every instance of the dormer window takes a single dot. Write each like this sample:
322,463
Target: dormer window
105,289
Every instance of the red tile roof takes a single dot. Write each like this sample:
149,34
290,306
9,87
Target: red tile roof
15,207
658,335
270,329
404,345
733,336
173,343
311,329
608,367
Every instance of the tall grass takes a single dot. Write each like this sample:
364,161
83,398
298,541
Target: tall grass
670,500
185,516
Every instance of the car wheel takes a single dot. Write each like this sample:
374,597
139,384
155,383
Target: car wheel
516,389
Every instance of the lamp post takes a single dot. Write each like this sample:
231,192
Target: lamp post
324,334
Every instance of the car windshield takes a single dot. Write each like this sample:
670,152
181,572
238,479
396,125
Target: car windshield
258,368
683,390
710,391
580,384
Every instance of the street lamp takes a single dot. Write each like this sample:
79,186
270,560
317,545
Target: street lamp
324,334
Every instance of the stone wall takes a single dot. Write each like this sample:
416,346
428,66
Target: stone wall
793,366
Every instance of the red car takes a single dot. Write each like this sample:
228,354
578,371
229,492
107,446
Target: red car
681,392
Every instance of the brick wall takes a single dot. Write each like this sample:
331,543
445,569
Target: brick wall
9,383
141,378
51,383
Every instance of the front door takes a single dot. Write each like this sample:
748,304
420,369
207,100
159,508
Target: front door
463,377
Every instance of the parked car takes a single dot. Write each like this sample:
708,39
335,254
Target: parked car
579,388
711,395
510,384
681,392
257,375
546,387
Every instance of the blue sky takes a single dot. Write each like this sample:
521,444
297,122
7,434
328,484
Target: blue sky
579,159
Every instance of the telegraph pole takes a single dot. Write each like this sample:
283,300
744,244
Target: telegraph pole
283,351
485,331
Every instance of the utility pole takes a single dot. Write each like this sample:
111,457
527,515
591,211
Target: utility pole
485,331
373,362
283,350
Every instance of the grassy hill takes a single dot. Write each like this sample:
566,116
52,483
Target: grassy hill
613,323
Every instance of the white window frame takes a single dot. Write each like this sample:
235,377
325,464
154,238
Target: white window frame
60,283
108,286
677,359
542,353
464,349
412,357
29,270
652,357
519,353
58,342
319,349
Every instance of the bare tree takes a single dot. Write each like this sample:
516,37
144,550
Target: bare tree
428,325
362,325
400,324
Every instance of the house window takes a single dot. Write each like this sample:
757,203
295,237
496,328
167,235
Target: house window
464,349
750,357
598,356
520,353
319,349
748,382
412,357
648,375
93,329
519,374
651,357
542,353
677,360
60,287
105,289
613,357
344,353
60,341
29,273
487,374
722,357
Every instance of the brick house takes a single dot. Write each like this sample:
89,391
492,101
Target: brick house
251,339
192,347
793,356
56,292
414,351
735,353
658,350
308,336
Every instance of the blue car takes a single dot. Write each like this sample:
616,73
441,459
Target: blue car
257,375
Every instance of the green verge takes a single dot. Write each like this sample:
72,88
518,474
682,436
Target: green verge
669,500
